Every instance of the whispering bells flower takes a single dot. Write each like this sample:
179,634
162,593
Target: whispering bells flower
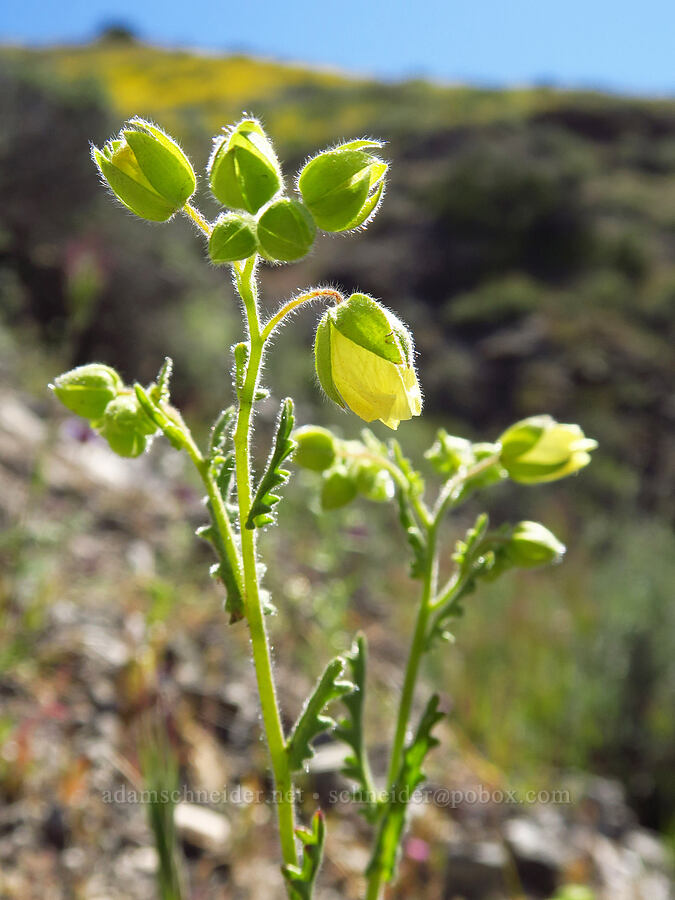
540,449
147,171
364,361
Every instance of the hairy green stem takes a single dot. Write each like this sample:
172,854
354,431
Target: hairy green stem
284,799
198,218
418,645
298,301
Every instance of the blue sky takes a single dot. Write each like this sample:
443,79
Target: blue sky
625,45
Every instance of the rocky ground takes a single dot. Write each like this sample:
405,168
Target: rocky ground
105,628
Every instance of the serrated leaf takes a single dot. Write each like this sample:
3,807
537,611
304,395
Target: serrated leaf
312,720
220,438
300,879
350,729
474,558
392,823
159,391
234,601
170,429
241,351
264,501
412,476
416,538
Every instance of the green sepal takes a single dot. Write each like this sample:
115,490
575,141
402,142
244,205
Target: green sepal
312,720
364,321
350,731
300,879
522,436
244,171
232,239
168,172
274,476
322,359
87,390
392,823
339,186
285,231
126,426
142,201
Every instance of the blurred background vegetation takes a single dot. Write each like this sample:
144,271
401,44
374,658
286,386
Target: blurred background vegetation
527,237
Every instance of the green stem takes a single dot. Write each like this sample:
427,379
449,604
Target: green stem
294,303
198,218
262,659
417,647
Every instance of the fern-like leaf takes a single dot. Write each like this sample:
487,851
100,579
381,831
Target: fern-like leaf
234,601
350,730
392,823
313,720
264,501
474,559
301,879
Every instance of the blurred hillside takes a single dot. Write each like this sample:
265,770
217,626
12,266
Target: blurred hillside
527,236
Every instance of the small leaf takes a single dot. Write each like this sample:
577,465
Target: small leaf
170,429
416,539
392,823
159,392
412,476
274,476
241,355
301,879
221,432
312,720
350,729
475,559
234,602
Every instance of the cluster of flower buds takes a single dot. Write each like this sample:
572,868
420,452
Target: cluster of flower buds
97,393
340,190
533,451
365,361
347,468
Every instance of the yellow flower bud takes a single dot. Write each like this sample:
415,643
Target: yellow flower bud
364,361
147,171
540,449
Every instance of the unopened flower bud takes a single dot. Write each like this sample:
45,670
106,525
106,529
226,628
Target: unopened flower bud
244,171
540,449
147,171
530,544
125,426
87,390
338,488
343,187
374,483
285,231
364,361
232,238
315,448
